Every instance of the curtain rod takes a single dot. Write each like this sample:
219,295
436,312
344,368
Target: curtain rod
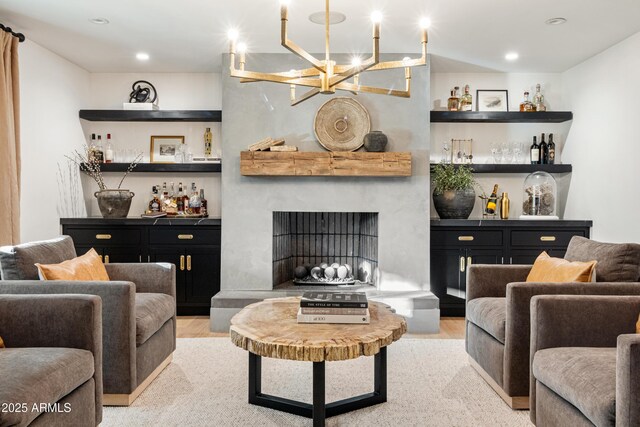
20,36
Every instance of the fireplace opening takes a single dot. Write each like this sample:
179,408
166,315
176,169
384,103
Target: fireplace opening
330,248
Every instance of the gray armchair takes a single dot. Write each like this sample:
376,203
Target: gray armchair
138,312
585,361
53,356
498,310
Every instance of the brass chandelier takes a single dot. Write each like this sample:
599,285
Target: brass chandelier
326,76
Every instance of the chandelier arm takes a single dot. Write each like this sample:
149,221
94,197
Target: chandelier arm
251,76
307,95
352,71
370,89
307,72
291,46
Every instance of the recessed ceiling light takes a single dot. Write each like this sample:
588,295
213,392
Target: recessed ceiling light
334,18
555,21
99,21
511,56
142,56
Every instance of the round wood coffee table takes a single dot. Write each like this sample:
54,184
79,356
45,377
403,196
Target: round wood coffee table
270,329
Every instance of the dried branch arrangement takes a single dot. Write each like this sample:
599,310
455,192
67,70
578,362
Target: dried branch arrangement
89,165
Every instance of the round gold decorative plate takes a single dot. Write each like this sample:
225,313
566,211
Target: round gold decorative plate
341,124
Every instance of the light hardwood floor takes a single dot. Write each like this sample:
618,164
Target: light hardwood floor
198,327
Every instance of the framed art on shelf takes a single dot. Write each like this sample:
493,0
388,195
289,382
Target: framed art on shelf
165,148
492,100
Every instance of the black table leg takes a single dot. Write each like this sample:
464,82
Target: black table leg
318,394
255,377
380,374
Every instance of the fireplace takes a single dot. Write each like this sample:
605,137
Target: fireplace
314,238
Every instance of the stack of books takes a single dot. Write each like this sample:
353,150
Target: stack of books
333,307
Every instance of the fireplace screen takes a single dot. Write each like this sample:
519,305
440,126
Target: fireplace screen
325,247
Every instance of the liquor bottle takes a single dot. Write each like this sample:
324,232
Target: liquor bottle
535,152
538,99
504,206
552,150
203,203
180,199
185,202
208,139
466,100
108,152
452,103
91,152
492,202
99,151
526,105
544,151
194,200
154,204
164,198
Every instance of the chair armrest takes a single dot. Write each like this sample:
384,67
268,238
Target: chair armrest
73,321
118,323
148,277
627,386
485,280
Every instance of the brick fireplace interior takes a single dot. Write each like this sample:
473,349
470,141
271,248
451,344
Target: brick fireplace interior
313,238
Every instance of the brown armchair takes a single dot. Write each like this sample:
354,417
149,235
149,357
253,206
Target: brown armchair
498,310
138,311
585,361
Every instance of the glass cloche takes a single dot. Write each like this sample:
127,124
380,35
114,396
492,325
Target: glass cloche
539,197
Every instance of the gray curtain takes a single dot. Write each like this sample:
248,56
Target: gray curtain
9,140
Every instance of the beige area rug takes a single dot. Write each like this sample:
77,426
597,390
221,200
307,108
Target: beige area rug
430,383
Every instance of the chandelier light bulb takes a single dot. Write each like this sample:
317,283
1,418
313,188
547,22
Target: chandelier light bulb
356,61
242,47
425,23
285,3
233,34
376,17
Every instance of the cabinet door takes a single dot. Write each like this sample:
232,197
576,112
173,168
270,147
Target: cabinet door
203,274
528,256
445,272
122,254
476,256
177,257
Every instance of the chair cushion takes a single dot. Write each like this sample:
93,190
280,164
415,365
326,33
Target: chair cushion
583,376
490,314
152,311
617,262
557,270
18,262
87,267
40,375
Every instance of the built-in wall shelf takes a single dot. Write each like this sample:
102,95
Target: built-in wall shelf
500,117
324,163
515,168
151,115
163,167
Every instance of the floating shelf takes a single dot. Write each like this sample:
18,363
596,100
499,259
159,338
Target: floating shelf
323,163
500,117
163,167
151,115
514,168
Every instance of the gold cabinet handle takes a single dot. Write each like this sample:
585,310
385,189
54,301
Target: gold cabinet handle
185,236
101,258
106,259
103,236
468,261
181,262
548,238
188,262
465,238
462,264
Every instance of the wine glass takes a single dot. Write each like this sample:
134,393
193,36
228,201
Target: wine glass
496,153
517,152
446,152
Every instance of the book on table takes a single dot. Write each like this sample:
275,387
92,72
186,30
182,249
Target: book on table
334,318
333,299
333,307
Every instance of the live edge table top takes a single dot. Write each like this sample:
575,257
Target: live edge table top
270,329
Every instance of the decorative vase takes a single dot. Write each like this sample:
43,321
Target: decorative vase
455,204
114,203
375,141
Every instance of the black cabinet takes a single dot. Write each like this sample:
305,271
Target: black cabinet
193,246
456,244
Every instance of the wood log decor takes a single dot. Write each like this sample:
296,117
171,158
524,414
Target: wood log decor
325,163
270,329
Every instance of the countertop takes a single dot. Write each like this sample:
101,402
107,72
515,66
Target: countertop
140,221
479,222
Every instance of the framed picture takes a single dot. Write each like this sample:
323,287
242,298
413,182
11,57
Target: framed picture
492,100
164,148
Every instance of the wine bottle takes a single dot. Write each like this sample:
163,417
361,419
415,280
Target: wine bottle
99,151
492,202
552,150
208,139
535,152
544,151
108,152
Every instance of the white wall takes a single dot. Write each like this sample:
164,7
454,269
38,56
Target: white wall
52,90
604,143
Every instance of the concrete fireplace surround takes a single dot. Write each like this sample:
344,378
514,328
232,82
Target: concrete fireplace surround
258,110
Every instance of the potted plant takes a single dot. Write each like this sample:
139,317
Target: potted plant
453,192
113,203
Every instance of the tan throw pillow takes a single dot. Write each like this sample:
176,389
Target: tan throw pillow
87,267
558,270
638,326
1,343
